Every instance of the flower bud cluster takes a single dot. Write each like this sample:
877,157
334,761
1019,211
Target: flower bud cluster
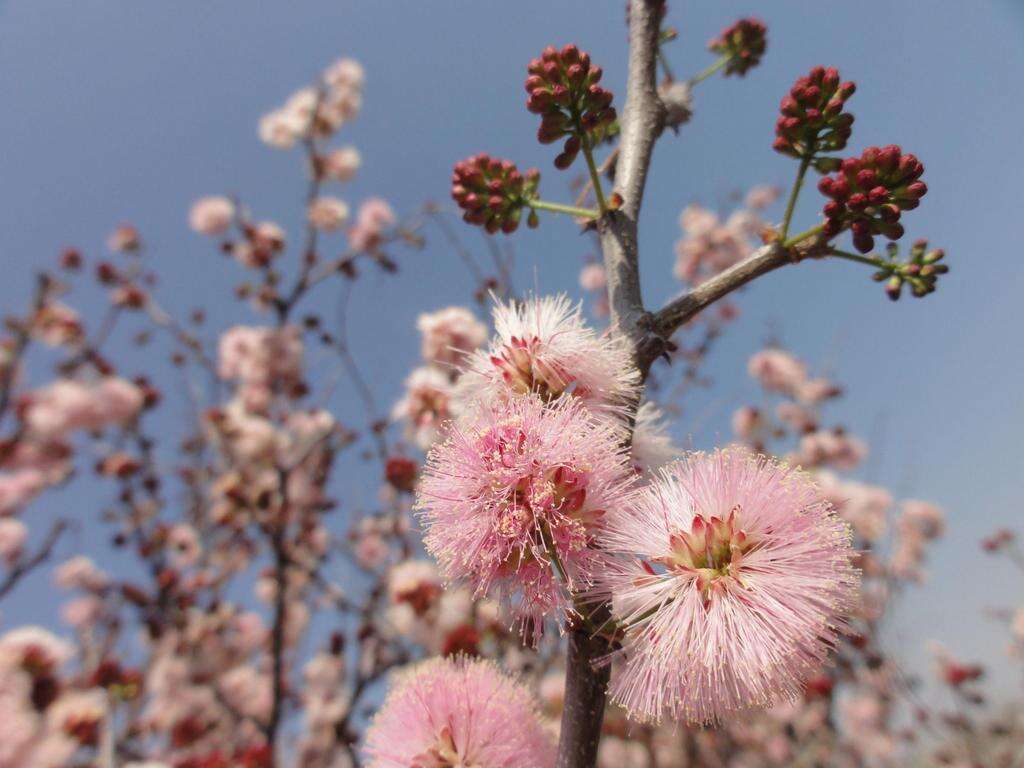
813,117
744,43
493,192
564,90
870,192
919,273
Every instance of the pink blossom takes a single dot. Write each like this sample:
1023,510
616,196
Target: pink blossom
651,447
777,371
923,519
863,506
183,545
56,324
328,214
542,346
747,422
12,539
81,612
80,573
19,488
745,585
449,335
374,217
513,485
832,448
593,278
211,215
796,417
458,712
342,164
68,404
46,651
708,246
425,405
761,196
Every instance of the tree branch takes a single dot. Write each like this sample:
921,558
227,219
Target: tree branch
765,259
24,567
642,122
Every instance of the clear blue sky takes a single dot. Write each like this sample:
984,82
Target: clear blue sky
128,111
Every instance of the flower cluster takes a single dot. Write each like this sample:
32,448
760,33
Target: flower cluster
449,336
710,245
920,272
317,111
813,116
743,43
493,193
564,90
870,192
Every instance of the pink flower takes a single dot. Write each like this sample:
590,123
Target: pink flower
374,216
651,447
68,404
211,215
831,448
450,334
35,646
81,612
183,545
80,573
12,539
761,196
425,405
743,589
593,278
512,487
777,371
19,488
747,422
459,712
863,506
922,519
342,164
542,346
328,214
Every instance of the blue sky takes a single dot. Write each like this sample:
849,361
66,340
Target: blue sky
129,111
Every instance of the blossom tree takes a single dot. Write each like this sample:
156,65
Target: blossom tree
539,576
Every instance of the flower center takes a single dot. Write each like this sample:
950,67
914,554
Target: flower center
523,370
713,551
443,754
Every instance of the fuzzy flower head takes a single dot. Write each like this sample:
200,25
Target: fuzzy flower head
514,485
458,713
542,346
744,587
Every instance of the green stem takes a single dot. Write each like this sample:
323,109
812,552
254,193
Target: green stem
802,236
664,64
794,193
700,77
876,263
595,177
572,210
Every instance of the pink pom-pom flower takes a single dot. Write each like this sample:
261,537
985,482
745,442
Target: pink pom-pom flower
518,490
542,346
458,712
743,588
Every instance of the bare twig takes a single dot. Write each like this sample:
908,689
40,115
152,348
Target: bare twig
26,566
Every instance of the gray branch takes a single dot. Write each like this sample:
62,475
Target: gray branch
642,121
